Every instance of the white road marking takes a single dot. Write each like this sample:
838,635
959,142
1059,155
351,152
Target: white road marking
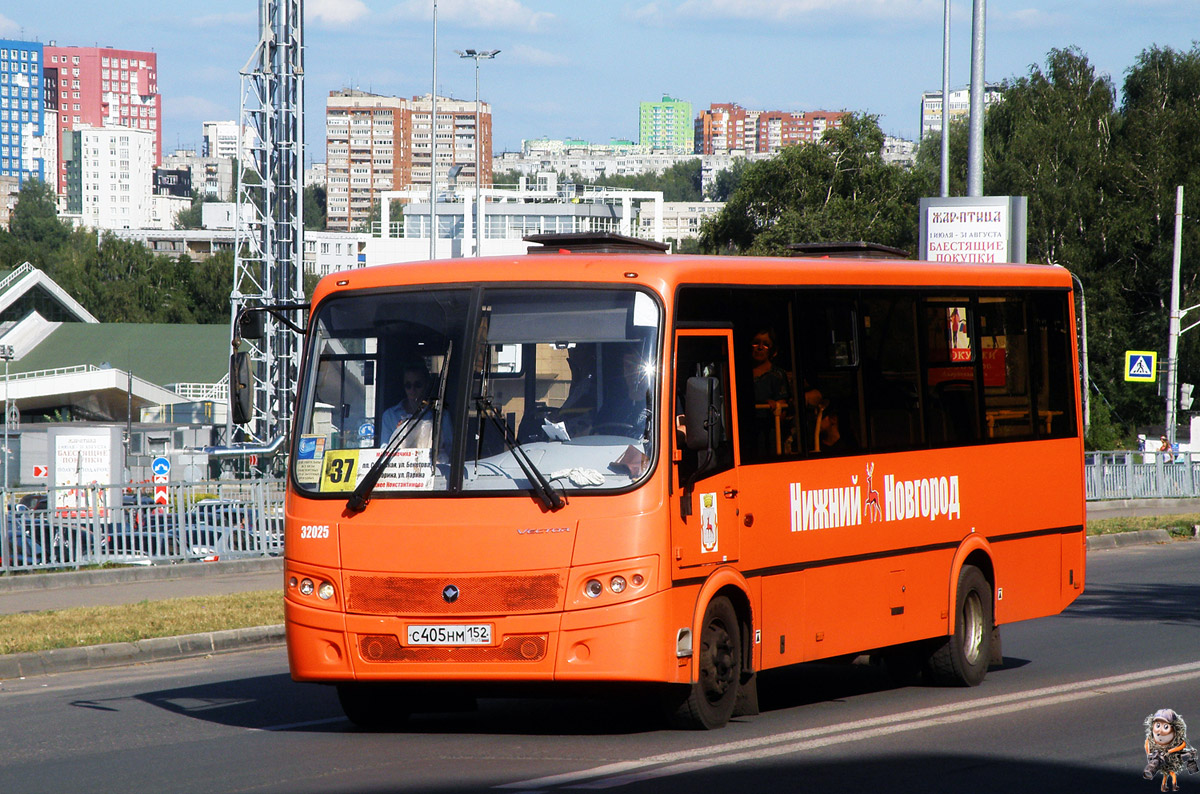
681,762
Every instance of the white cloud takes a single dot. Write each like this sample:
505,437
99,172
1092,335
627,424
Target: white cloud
337,12
504,14
7,26
231,20
532,56
198,108
798,10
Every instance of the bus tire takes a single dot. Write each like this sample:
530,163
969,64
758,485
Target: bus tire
711,699
373,707
962,658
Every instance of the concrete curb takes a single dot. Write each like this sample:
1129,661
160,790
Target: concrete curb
1117,540
16,583
120,654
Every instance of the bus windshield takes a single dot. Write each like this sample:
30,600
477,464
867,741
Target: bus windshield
467,389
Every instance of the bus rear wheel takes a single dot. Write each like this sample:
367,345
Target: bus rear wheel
711,699
962,658
374,707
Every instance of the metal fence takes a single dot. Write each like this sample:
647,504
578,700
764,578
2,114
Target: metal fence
198,521
1141,475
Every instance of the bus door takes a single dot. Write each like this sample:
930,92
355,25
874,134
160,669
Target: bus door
706,522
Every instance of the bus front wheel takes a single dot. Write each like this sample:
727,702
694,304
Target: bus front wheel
962,659
711,699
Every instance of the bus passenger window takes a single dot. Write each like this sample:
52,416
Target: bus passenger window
828,342
891,380
951,399
1004,357
1052,366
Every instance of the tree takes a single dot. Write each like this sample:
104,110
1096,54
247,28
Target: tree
838,190
727,180
34,223
314,207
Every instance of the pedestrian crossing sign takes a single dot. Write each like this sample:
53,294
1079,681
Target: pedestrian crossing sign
1141,366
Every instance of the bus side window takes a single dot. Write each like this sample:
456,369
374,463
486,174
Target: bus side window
827,336
951,397
1053,370
891,378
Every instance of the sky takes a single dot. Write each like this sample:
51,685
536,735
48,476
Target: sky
579,68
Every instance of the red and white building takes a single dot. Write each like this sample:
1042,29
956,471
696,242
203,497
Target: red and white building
102,87
728,127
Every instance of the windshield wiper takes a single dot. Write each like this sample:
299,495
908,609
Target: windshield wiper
362,492
541,486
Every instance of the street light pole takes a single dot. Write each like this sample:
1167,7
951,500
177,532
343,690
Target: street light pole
477,55
6,352
433,147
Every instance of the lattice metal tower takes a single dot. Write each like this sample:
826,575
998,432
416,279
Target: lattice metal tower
269,253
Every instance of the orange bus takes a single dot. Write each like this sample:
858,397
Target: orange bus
613,466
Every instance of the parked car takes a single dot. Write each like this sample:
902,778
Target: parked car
217,529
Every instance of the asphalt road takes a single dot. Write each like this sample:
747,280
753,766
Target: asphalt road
1064,713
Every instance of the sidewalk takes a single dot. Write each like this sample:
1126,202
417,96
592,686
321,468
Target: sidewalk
39,592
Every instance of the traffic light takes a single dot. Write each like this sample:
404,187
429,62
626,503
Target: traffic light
1185,396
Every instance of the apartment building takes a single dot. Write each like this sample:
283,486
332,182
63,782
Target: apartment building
959,106
26,152
109,173
103,87
377,143
728,127
220,139
667,125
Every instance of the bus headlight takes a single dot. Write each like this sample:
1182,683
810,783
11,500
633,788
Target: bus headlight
306,587
325,591
593,588
617,584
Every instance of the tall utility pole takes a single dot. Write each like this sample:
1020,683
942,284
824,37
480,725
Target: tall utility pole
433,230
975,138
478,55
1173,328
269,250
946,101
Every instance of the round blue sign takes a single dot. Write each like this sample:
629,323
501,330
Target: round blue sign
161,466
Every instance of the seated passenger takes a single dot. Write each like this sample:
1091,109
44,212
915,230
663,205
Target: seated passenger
772,392
831,439
417,392
626,408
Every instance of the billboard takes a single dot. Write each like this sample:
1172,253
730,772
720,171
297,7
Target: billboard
976,229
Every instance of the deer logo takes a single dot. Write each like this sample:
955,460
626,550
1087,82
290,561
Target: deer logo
873,510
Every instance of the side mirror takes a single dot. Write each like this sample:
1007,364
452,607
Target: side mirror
252,324
241,388
700,411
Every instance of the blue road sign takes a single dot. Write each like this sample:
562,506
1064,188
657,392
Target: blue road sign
1141,366
161,467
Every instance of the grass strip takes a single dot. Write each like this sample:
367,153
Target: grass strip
1182,525
80,626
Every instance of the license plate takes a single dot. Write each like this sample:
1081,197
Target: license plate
478,634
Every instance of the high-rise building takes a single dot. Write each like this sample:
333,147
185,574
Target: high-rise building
667,125
456,141
378,143
958,107
220,139
24,150
110,175
728,127
103,87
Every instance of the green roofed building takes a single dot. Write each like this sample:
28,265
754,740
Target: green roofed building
667,125
66,365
